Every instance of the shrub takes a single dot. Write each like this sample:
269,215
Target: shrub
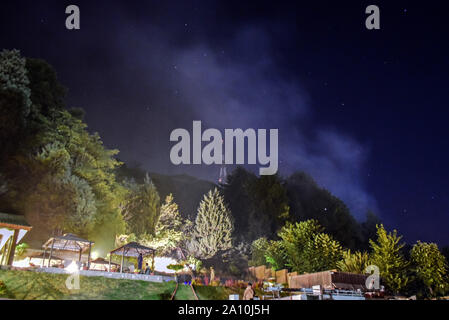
215,283
3,289
175,267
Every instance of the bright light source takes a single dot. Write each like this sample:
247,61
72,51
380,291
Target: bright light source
161,263
73,267
22,263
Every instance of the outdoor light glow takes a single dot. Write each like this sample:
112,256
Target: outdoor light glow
94,255
161,263
73,267
25,263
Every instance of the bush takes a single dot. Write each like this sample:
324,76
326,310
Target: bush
175,267
3,289
197,282
215,283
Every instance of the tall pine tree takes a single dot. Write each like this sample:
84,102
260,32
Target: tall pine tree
213,226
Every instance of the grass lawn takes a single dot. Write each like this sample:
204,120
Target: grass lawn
31,285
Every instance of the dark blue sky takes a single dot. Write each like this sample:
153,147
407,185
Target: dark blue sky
364,112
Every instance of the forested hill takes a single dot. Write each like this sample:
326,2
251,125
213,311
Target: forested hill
260,206
187,190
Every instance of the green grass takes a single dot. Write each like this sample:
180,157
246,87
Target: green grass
29,285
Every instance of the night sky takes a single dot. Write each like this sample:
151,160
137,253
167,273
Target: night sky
365,112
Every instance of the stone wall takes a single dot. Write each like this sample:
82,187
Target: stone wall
112,275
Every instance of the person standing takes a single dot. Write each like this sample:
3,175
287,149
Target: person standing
139,262
249,292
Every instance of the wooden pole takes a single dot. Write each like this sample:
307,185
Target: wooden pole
43,257
12,248
152,263
110,256
4,251
88,257
123,260
51,251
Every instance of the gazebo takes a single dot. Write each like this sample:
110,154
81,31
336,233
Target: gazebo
104,262
42,257
132,249
69,242
13,228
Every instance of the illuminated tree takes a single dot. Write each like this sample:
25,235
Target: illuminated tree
213,226
387,256
354,262
142,207
308,248
430,266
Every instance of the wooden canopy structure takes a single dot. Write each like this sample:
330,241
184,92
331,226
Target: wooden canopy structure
42,257
330,280
69,242
103,262
13,228
132,249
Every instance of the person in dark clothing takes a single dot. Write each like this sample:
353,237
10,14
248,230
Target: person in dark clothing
147,269
139,261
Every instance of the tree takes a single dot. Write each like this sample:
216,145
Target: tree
269,210
369,227
15,103
430,266
309,201
142,208
295,238
322,253
354,262
308,248
47,93
237,194
258,251
387,256
13,77
170,230
213,226
275,255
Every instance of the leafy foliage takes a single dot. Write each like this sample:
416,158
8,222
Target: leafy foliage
275,255
258,251
308,201
142,207
213,226
354,262
430,267
171,229
13,77
308,249
387,256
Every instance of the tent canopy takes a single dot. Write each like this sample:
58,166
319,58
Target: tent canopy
133,249
41,256
103,261
69,242
14,221
13,228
